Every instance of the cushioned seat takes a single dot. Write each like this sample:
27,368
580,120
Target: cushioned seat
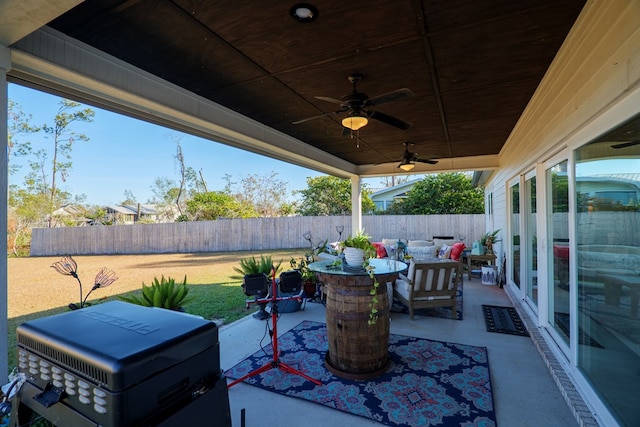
429,284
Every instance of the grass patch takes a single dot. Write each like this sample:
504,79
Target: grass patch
35,290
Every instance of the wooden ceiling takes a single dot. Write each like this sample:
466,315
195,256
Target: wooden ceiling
472,65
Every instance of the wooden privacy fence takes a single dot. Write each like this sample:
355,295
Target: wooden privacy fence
225,235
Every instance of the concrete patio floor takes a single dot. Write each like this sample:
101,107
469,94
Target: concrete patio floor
524,390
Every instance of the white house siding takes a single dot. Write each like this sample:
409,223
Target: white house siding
592,86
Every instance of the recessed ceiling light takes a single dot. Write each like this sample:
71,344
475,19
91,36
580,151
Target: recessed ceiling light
304,12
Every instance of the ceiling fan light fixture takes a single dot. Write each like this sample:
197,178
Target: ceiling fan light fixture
304,12
354,122
406,166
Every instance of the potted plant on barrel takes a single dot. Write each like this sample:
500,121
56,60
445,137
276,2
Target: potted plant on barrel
357,249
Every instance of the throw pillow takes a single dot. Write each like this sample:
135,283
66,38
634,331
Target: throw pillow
422,252
380,250
444,252
456,251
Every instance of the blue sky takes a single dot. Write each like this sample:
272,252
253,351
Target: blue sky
128,154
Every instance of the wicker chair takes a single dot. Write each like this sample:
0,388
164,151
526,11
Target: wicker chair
429,284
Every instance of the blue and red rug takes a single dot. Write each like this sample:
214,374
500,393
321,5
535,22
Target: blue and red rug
428,383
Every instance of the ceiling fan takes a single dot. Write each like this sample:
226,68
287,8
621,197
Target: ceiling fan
408,159
625,144
357,105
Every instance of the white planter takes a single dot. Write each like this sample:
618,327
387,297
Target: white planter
354,256
489,275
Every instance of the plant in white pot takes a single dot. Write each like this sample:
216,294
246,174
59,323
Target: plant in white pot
357,249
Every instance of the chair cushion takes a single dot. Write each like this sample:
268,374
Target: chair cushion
403,287
448,242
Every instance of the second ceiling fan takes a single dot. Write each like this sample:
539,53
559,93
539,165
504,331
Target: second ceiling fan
358,104
409,159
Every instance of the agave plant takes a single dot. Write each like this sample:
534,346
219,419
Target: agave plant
163,293
252,266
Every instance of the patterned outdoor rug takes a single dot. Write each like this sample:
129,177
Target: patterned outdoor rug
428,383
444,312
504,320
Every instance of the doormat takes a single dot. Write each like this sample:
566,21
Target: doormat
504,320
428,383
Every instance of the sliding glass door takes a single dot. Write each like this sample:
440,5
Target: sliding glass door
557,206
514,227
531,240
608,268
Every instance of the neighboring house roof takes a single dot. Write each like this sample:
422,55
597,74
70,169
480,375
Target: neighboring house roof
121,209
67,210
145,209
395,191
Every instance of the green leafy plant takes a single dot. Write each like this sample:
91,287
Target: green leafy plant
163,293
252,266
360,240
302,265
373,304
490,238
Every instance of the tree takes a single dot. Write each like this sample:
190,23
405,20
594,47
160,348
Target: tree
17,124
48,164
437,194
217,204
329,195
266,194
129,198
63,138
26,211
393,180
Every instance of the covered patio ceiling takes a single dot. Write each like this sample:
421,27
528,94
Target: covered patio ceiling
471,66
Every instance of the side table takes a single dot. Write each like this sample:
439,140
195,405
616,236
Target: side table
490,259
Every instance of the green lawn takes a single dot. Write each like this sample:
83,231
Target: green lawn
35,290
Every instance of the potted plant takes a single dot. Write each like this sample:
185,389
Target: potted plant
488,239
309,278
253,266
357,249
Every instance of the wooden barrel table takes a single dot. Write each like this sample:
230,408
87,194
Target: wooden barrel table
357,350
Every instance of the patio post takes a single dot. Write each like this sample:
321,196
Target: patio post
356,204
5,65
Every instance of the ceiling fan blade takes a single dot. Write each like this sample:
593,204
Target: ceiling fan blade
328,99
429,161
625,144
396,95
318,116
385,118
